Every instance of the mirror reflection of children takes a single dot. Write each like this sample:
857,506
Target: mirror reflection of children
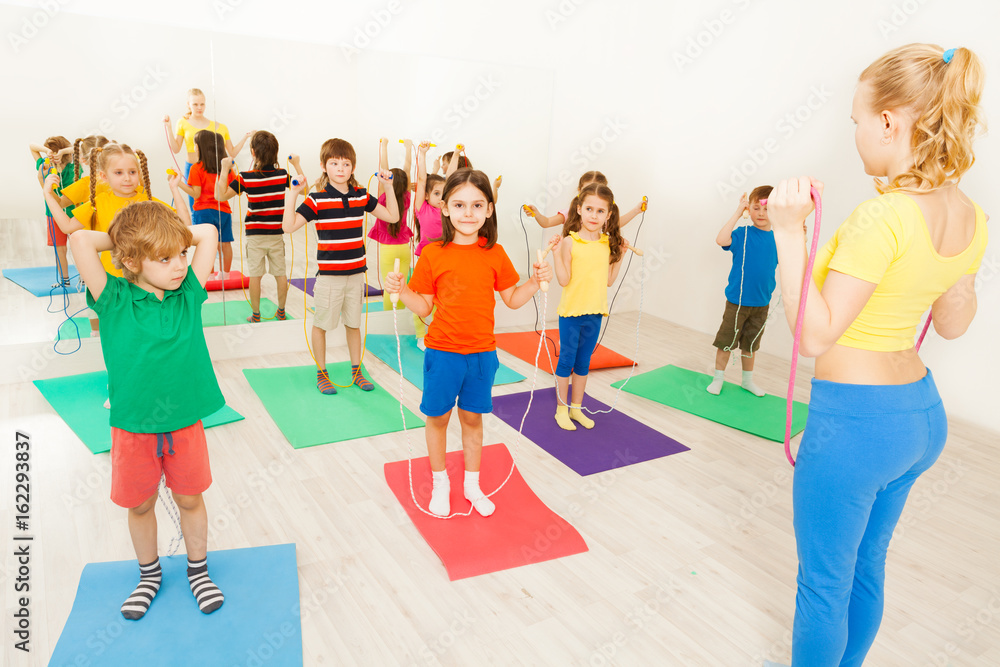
338,207
200,186
748,293
588,256
460,274
151,326
54,156
393,238
427,220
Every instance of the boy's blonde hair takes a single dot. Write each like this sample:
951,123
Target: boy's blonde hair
56,144
758,193
943,99
146,230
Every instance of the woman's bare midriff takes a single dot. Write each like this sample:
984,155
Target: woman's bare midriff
851,365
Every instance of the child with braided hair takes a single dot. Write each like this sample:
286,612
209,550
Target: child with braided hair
121,168
77,193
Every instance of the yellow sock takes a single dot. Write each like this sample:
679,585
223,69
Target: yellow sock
576,414
562,418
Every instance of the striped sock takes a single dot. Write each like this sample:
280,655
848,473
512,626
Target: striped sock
137,604
207,594
254,318
323,382
360,379
280,315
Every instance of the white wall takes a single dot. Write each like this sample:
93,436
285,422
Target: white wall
602,85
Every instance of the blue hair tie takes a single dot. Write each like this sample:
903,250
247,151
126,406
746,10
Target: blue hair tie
948,55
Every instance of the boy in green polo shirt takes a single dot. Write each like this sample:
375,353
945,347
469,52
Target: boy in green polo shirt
160,380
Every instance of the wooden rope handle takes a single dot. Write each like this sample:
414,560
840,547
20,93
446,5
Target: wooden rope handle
394,296
542,284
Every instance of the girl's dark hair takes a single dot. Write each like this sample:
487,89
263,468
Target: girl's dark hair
211,150
591,177
432,180
482,183
400,184
612,228
265,150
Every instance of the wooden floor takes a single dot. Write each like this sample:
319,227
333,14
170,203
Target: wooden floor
691,560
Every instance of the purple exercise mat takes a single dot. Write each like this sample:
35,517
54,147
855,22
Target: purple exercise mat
616,440
306,285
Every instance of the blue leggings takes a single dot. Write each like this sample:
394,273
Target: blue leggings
577,340
863,448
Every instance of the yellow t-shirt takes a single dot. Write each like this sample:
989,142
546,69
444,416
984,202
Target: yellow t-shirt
79,191
587,291
185,128
885,241
107,204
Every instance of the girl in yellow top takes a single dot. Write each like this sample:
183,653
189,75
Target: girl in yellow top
121,169
587,263
876,421
189,125
77,193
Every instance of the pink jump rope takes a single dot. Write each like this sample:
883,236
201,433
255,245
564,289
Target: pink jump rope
801,315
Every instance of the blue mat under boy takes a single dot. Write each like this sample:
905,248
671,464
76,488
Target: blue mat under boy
259,623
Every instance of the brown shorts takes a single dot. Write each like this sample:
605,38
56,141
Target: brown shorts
741,329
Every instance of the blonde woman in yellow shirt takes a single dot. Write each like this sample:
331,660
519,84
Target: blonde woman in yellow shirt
876,421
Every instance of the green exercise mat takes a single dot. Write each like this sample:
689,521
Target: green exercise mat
70,330
79,400
307,417
236,311
734,407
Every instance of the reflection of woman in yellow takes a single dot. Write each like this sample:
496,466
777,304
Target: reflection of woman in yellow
189,125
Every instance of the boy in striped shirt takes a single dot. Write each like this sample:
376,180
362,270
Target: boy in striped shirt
338,208
265,187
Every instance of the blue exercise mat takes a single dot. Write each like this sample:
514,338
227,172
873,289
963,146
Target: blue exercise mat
383,346
259,623
38,279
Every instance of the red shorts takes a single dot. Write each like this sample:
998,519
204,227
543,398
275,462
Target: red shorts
138,460
53,232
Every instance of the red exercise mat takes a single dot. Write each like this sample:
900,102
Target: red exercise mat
236,280
522,531
524,344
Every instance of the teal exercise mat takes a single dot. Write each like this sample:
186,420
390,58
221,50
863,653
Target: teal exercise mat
734,407
235,310
79,400
73,329
258,624
38,280
308,417
384,347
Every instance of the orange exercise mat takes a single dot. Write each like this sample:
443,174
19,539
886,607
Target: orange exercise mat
523,344
235,280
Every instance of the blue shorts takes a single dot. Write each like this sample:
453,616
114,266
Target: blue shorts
577,341
210,216
467,377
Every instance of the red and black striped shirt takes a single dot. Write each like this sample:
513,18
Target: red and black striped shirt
339,219
265,199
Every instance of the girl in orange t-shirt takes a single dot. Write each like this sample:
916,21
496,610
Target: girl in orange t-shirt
459,275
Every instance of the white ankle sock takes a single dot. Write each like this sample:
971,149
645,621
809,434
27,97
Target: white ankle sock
716,386
749,385
476,496
440,502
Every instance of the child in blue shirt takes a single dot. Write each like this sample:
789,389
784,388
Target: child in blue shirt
751,282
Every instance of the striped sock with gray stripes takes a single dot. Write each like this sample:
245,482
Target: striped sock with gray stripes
137,604
207,594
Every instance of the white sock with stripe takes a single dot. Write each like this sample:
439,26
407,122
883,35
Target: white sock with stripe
137,604
207,594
